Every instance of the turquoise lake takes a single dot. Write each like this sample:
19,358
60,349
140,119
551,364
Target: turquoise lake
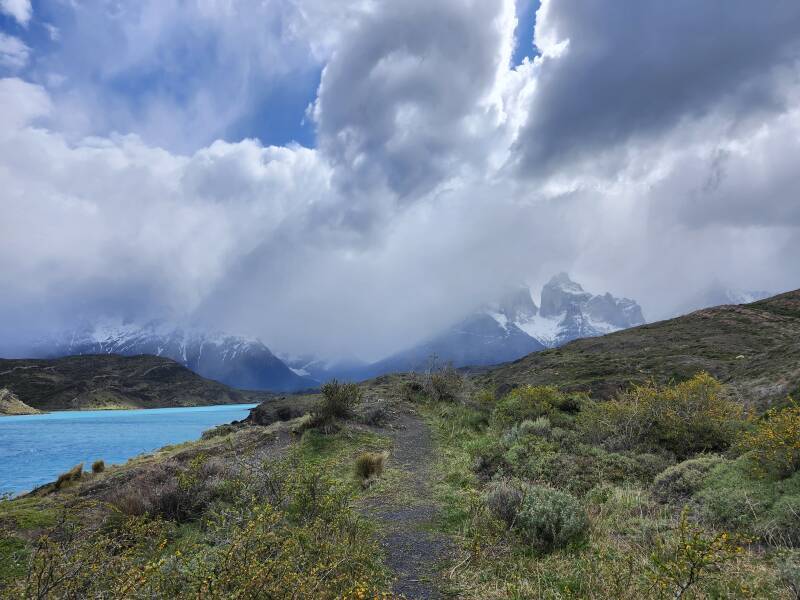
34,449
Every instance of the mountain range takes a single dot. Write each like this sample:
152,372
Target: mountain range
503,331
245,363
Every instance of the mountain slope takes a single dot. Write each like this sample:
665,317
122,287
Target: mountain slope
236,361
753,347
110,381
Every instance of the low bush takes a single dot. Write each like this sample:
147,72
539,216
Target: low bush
774,443
71,476
98,466
682,561
680,482
549,519
370,464
685,419
338,401
172,491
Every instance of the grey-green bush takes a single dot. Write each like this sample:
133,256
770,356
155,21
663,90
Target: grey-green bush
680,482
504,499
549,519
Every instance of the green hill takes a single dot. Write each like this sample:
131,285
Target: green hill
753,348
110,381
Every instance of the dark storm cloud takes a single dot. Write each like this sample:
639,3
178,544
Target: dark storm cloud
398,96
632,70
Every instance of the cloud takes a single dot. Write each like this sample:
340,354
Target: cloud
19,9
648,151
14,53
408,99
613,75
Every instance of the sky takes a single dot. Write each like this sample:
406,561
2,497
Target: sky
348,177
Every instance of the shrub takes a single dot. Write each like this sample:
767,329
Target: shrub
526,403
98,466
774,444
443,384
504,500
687,418
338,400
74,474
550,519
680,482
691,554
370,464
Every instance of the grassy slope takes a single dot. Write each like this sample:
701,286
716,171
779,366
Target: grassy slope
753,348
107,381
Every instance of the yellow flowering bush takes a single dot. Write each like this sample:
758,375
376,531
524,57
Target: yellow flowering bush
774,444
690,417
691,555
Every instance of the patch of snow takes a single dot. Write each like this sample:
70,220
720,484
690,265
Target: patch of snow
544,329
300,372
501,319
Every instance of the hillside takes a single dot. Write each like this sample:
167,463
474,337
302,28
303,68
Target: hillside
755,348
110,381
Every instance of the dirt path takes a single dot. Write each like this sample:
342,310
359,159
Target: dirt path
414,552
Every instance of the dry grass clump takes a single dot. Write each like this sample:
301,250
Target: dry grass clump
74,474
98,466
369,465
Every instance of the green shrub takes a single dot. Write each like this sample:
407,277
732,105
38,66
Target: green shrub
98,466
680,482
65,479
549,519
685,419
370,464
338,401
774,444
526,403
13,556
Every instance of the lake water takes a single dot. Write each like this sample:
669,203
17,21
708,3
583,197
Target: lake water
34,449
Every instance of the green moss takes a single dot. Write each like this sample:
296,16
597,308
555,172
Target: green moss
13,556
27,513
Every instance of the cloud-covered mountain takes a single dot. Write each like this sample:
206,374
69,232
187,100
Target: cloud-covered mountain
241,362
719,295
515,326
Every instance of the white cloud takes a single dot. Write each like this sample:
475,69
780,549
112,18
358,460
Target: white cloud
19,9
635,157
14,54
